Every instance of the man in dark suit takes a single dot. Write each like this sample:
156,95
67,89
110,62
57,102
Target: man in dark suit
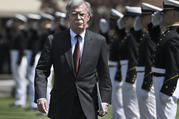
78,61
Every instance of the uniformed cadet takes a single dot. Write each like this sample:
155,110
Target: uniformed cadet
132,43
113,43
47,26
46,30
19,61
3,49
121,69
31,53
117,102
147,49
166,70
60,21
9,35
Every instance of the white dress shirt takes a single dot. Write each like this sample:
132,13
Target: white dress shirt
74,41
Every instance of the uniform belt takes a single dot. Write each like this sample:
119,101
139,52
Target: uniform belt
140,68
112,63
157,74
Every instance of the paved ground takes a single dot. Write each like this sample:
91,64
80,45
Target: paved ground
6,85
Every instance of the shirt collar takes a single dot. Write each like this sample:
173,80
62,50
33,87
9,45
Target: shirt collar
73,34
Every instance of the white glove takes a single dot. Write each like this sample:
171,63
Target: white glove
144,94
103,25
137,24
157,19
120,23
164,98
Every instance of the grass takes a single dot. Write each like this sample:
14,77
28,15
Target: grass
7,112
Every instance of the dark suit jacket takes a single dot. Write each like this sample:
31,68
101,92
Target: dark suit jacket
68,84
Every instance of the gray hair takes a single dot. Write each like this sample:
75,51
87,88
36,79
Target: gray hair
74,3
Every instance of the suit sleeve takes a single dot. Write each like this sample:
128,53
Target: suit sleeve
172,58
43,71
103,73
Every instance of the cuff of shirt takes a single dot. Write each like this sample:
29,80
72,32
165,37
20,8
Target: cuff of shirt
38,100
105,103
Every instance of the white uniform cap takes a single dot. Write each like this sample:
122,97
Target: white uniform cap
21,17
149,9
34,16
132,11
116,13
171,4
47,16
60,14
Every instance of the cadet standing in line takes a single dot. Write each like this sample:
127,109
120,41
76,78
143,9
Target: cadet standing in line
113,43
132,44
31,52
9,35
145,89
117,103
19,60
60,21
166,70
3,50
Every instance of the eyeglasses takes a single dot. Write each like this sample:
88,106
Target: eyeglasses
75,14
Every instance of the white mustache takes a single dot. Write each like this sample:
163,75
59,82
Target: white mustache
78,21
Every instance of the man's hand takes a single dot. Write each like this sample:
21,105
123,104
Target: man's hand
105,108
42,105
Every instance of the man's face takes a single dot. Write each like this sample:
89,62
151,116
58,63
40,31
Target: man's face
170,17
129,21
45,24
79,18
146,19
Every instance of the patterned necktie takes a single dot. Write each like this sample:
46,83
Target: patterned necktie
76,54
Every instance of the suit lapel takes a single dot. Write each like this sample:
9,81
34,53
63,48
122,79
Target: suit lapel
68,53
86,49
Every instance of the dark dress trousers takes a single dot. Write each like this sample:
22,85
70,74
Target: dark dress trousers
74,89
